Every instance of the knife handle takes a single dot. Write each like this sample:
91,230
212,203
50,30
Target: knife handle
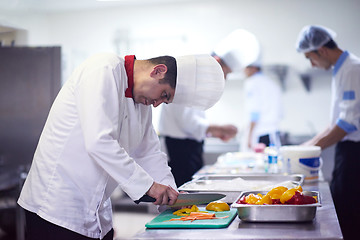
145,198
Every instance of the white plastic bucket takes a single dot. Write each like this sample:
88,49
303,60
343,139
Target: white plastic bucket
302,160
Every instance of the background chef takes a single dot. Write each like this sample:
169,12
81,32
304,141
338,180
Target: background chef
318,45
99,135
241,52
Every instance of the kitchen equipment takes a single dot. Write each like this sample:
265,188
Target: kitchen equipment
231,185
161,221
187,199
277,212
303,159
209,170
244,182
234,163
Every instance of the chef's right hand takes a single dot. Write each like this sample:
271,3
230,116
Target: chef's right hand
164,195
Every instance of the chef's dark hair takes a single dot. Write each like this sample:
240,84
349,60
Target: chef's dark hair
331,44
170,62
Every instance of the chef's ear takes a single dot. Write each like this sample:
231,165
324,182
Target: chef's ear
159,71
323,51
218,59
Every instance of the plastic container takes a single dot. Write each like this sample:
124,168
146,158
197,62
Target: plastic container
272,159
303,160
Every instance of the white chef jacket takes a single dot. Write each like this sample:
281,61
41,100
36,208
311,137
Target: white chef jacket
263,105
346,96
94,140
182,122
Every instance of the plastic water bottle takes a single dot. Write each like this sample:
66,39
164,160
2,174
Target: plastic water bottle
272,154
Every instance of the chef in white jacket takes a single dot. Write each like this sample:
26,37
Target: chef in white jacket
184,130
99,135
318,46
263,106
241,51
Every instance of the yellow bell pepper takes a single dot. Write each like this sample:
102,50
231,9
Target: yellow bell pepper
276,192
218,206
252,198
264,200
187,211
287,195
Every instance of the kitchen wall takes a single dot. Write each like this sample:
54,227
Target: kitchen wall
196,26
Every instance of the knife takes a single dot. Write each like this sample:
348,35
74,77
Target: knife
187,199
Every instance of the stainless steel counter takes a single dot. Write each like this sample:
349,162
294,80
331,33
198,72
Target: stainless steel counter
324,226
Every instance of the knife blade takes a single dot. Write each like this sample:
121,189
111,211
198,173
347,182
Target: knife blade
187,199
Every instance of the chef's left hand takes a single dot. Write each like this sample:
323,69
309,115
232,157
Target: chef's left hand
224,132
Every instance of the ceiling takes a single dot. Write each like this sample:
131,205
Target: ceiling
69,5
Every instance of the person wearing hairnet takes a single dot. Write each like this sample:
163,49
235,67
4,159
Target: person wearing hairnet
99,135
184,129
318,45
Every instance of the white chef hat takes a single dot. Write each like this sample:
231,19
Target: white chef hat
239,49
200,81
313,37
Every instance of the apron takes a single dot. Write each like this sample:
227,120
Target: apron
345,187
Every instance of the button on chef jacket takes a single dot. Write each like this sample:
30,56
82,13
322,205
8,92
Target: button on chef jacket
94,139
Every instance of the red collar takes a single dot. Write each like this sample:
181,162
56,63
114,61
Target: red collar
129,67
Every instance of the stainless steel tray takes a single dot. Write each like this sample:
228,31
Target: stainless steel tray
276,213
243,182
227,170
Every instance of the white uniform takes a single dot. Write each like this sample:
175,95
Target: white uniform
184,130
346,96
181,122
263,105
94,140
346,115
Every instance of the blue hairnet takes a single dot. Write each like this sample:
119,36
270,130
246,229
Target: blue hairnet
313,37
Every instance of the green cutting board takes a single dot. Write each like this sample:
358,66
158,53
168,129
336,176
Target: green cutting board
161,221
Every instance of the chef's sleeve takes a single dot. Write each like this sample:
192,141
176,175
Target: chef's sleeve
150,157
193,122
99,106
253,102
179,121
349,104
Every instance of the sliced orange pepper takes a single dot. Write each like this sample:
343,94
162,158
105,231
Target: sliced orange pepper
299,188
276,192
252,198
187,211
264,200
287,195
218,206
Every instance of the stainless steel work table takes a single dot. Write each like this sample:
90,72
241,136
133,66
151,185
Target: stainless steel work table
324,226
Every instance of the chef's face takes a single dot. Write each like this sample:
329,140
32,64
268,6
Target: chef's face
153,93
250,70
318,59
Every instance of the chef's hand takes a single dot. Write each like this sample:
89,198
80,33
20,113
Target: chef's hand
182,207
164,195
224,132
